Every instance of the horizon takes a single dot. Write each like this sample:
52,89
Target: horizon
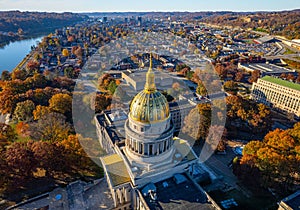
153,6
153,11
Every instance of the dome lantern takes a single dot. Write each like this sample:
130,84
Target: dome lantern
149,105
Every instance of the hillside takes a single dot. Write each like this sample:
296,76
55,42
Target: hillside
284,23
16,25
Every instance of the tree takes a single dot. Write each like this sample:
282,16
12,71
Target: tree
51,127
40,111
221,70
22,129
20,160
39,80
65,52
75,153
254,76
197,123
23,111
7,135
216,137
69,72
32,66
201,89
5,75
239,76
276,157
78,52
230,85
112,86
8,100
102,102
19,74
50,156
61,103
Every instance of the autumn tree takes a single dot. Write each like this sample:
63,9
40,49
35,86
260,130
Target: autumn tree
61,103
22,129
239,76
65,52
7,135
74,151
5,75
40,111
51,127
197,123
69,72
101,102
276,157
18,74
50,156
254,76
221,70
32,66
20,160
230,85
23,111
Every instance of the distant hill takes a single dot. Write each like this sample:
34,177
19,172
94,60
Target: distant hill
284,23
16,25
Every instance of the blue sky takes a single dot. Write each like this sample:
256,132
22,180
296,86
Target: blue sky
146,5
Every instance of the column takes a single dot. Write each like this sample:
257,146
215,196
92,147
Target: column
154,150
140,148
146,148
166,144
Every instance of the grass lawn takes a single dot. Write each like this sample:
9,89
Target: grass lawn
288,51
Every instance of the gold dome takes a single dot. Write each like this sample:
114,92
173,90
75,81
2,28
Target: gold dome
149,105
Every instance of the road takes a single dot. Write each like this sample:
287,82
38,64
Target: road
287,56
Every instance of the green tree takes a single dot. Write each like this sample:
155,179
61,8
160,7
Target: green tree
23,111
112,86
201,89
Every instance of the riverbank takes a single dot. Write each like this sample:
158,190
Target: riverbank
15,54
6,40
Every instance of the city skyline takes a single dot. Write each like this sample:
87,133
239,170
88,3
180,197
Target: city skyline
141,6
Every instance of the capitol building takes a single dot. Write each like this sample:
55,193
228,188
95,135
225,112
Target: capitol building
146,166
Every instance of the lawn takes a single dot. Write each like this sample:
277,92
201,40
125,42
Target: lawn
288,51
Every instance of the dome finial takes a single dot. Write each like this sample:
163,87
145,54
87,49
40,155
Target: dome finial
150,65
150,80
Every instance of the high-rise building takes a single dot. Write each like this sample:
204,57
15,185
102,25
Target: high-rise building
278,94
139,19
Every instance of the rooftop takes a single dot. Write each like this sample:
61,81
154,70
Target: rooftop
292,201
282,82
184,195
267,68
115,166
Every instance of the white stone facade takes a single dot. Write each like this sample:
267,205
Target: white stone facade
277,96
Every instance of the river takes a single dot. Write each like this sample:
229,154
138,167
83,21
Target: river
13,53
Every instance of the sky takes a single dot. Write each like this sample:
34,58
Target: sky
146,5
